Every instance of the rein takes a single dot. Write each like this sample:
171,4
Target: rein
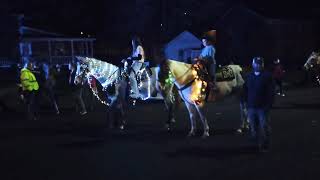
188,84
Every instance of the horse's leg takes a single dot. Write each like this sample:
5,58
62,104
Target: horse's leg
193,115
121,114
244,124
169,104
123,105
170,110
174,102
203,120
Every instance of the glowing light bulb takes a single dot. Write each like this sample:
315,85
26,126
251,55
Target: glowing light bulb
194,72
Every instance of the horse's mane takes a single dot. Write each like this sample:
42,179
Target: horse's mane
106,73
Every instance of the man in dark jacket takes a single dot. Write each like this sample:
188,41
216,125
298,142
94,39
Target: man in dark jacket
278,75
259,94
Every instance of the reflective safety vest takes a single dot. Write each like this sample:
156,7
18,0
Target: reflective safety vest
28,80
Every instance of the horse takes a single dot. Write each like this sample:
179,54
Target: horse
168,91
110,75
190,80
313,64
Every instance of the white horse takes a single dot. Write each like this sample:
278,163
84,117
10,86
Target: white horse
313,64
108,74
192,89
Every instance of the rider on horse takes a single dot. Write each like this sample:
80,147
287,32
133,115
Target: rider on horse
133,64
207,57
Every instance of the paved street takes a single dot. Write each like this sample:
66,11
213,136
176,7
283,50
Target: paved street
70,146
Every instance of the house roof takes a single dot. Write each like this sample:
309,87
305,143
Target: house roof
37,35
26,31
185,35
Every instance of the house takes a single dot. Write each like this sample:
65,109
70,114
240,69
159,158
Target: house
55,48
183,48
21,43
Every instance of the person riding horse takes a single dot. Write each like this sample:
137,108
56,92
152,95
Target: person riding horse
207,60
134,67
113,80
133,64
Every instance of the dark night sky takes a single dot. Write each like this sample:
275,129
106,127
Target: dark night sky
96,17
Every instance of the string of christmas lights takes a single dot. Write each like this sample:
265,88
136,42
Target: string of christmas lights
199,90
170,79
95,93
106,74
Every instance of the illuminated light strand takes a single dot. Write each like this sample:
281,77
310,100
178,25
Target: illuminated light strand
149,85
101,70
148,82
199,90
170,79
96,94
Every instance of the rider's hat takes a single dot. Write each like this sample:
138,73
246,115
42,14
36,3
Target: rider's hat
210,36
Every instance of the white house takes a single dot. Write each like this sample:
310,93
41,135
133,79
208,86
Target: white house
183,48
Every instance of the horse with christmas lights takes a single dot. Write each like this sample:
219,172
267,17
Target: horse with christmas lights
110,75
313,65
192,82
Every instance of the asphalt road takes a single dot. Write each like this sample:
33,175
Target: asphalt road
70,146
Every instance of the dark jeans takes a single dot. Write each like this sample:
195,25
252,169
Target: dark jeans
116,117
279,85
48,92
32,104
259,125
77,95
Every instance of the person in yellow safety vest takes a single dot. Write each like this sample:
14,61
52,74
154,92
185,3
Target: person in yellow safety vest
30,89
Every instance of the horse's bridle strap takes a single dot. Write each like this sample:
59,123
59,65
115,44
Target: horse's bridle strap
187,85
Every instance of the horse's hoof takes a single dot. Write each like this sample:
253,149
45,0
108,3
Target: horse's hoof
191,134
239,131
205,135
172,120
168,127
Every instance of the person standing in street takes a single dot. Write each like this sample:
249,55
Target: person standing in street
259,95
30,89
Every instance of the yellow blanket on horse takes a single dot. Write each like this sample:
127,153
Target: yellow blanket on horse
182,71
228,78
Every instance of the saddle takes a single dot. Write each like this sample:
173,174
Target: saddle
225,73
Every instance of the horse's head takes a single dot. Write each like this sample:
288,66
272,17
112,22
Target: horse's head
82,67
313,61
